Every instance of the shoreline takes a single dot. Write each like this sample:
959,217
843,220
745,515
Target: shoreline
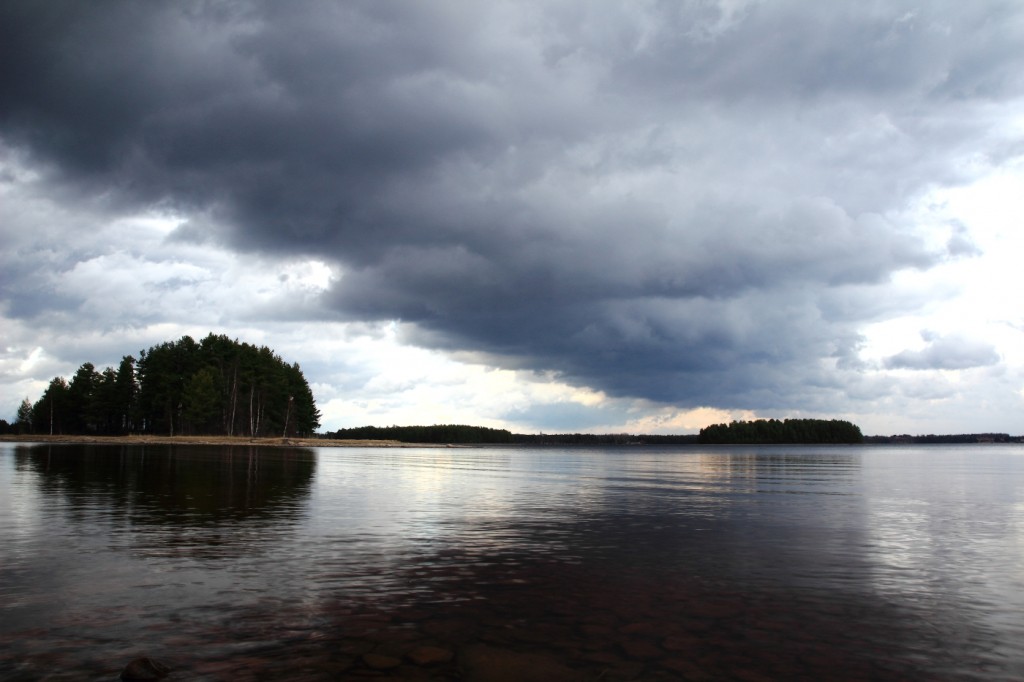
272,442
243,441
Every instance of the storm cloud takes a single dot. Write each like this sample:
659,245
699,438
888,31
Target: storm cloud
690,203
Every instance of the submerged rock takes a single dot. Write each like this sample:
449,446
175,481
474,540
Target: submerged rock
430,655
381,662
144,668
481,663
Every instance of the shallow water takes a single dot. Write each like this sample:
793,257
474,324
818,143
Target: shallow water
868,563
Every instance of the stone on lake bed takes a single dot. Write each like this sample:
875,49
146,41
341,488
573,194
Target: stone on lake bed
430,655
481,663
381,662
144,668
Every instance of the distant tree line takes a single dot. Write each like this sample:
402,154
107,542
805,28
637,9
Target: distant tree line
439,433
479,435
602,439
787,431
948,439
216,386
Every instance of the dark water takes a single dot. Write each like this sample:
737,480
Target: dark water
637,563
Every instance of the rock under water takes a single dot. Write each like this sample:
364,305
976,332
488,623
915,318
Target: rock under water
144,668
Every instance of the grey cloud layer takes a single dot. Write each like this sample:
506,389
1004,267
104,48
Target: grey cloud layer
946,353
672,201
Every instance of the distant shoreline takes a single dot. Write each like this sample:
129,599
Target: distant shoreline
246,441
242,441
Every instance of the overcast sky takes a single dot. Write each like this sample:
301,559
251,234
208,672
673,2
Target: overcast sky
563,215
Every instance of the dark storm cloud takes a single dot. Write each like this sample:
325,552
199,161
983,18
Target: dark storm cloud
670,202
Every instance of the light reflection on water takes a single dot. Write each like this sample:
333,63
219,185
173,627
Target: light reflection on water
871,563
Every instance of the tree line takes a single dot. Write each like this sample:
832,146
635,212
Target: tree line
479,435
787,431
948,439
215,386
438,433
738,432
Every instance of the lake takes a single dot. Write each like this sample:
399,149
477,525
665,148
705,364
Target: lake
504,563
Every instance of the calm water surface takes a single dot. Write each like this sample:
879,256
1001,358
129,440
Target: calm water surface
869,563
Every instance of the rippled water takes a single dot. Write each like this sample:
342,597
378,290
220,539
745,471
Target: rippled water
629,563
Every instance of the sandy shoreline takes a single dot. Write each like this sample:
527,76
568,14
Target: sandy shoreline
244,441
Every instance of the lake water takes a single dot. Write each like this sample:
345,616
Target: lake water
755,563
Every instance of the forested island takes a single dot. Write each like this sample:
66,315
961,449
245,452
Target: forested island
787,431
217,386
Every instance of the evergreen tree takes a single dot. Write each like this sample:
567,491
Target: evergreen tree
126,391
81,392
202,402
23,423
103,404
51,414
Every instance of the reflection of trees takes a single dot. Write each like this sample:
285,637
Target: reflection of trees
794,466
185,492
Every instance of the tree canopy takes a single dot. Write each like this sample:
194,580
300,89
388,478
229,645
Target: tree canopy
438,433
214,386
787,431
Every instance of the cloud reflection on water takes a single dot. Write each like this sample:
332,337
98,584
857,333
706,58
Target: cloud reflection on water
797,558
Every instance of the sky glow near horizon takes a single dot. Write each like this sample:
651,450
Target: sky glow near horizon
558,216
